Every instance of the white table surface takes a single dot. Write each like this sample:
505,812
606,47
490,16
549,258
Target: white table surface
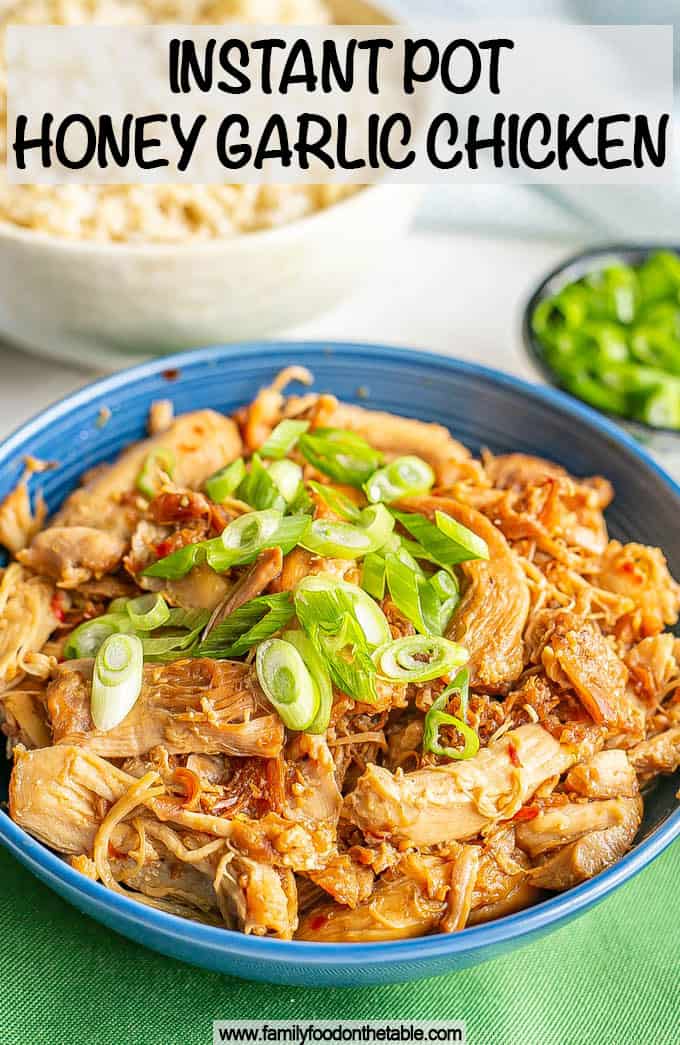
460,294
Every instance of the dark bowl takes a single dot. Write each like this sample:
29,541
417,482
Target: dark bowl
481,407
658,440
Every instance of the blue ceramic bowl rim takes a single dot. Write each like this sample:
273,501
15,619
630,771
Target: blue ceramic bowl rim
280,952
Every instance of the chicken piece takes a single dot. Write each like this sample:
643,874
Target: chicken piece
27,619
314,794
641,574
579,653
590,854
201,442
608,774
266,410
348,882
71,555
494,608
654,665
265,569
396,910
263,898
455,802
62,795
462,883
24,721
58,794
296,565
566,823
659,754
18,523
187,706
395,435
520,896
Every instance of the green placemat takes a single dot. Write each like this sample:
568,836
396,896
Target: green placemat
609,978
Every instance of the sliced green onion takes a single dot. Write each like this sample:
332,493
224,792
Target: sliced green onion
224,482
302,503
255,621
342,455
259,489
148,612
316,666
188,619
118,605
448,542
413,596
116,680
344,540
85,640
311,600
418,658
347,659
337,501
336,540
437,717
178,563
377,524
373,575
172,645
155,464
287,683
448,592
406,475
287,476
472,546
283,438
251,534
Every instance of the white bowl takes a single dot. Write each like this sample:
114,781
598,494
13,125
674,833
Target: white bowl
105,304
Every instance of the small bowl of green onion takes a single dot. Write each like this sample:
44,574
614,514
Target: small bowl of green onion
605,327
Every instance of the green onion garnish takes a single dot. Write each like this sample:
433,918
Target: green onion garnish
255,621
448,542
85,640
448,592
373,575
347,659
316,666
325,600
287,683
283,438
244,538
148,612
116,680
337,501
259,489
413,596
343,456
437,717
158,462
342,540
224,482
286,476
418,658
406,475
178,563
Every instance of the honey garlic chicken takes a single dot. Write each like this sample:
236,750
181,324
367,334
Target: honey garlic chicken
313,671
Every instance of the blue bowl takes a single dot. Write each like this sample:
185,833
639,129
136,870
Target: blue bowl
482,408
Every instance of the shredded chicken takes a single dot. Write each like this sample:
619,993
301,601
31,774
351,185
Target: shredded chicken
379,824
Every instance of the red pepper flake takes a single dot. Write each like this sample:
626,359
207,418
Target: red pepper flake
514,757
171,374
318,922
57,607
527,813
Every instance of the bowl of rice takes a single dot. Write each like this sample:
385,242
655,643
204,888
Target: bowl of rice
102,275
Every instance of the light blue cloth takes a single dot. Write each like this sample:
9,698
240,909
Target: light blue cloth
575,212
